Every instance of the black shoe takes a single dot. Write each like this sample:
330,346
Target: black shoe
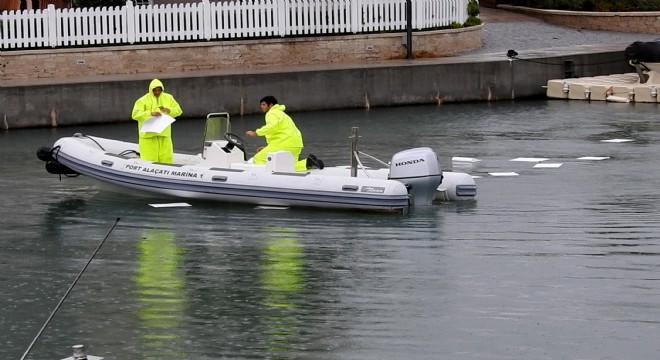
314,162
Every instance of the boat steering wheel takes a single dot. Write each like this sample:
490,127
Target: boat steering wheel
235,140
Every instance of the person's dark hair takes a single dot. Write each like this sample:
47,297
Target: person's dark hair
269,100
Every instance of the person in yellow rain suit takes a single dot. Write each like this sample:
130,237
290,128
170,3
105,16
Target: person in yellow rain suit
156,146
281,134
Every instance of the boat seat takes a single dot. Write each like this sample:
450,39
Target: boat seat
280,161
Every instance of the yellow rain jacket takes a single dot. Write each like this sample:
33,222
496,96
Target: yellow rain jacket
155,146
281,134
148,103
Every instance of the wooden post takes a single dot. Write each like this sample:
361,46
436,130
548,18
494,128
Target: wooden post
409,40
354,148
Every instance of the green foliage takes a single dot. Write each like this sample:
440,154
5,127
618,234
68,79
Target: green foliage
455,25
473,14
472,21
98,3
588,5
473,8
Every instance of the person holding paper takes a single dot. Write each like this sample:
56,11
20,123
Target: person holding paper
154,111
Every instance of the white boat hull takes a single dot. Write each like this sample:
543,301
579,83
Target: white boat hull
222,176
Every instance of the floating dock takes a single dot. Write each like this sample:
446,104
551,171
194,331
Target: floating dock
640,86
618,88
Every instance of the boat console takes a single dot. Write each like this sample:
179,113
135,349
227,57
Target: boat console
216,153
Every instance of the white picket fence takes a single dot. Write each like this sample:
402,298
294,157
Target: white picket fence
129,24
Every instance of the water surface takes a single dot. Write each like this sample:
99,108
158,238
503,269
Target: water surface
556,263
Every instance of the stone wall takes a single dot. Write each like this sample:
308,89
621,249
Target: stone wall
106,99
234,54
637,22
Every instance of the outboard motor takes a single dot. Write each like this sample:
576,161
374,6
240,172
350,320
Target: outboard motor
52,165
56,168
45,153
419,170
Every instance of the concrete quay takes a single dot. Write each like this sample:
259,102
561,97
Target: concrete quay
485,74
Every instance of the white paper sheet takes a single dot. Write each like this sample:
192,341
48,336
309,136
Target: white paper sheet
594,158
181,204
157,124
503,174
616,140
548,165
524,159
464,159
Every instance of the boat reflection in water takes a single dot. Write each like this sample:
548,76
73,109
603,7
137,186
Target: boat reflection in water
281,280
161,291
163,301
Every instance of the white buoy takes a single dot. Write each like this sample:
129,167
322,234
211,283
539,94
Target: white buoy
620,99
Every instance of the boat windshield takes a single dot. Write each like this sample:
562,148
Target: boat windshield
217,125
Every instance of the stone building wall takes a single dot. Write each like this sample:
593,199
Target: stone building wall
234,54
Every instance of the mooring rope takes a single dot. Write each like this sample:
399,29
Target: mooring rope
68,291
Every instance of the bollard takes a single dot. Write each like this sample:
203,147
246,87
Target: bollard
80,354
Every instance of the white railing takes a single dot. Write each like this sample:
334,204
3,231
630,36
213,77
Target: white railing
129,24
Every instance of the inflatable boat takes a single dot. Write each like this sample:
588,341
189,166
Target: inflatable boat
221,172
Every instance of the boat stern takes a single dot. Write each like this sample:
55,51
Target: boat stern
419,170
456,186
